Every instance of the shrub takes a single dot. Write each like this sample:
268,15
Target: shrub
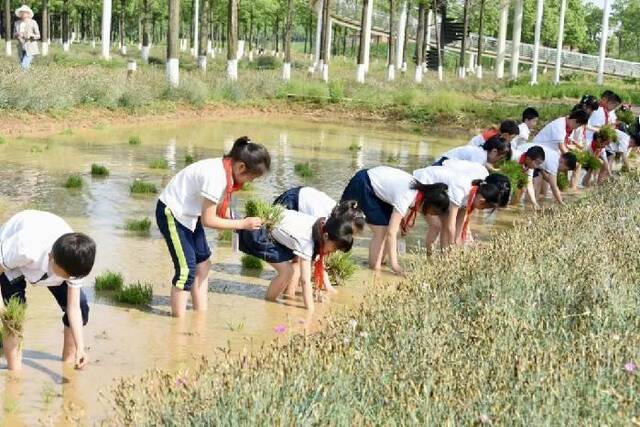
271,215
303,170
251,263
135,294
336,91
266,62
135,140
99,170
143,187
141,226
159,164
109,281
341,267
13,317
73,181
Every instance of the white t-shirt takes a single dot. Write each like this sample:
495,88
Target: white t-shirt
393,186
477,141
458,175
469,153
622,146
315,203
598,119
187,190
523,136
26,240
551,158
295,232
552,135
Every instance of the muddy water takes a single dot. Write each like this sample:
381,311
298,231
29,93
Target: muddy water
125,340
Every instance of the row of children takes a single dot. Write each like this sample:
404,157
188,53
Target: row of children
40,248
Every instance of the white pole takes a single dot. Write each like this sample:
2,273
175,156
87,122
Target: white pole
329,39
367,36
316,54
106,28
515,42
196,23
563,11
400,39
603,41
536,47
502,38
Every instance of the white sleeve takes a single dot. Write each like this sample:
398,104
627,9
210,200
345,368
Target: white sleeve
213,187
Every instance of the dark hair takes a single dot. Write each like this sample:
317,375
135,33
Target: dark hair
611,96
254,156
435,196
571,161
348,210
510,127
530,113
496,143
75,253
339,230
580,116
589,101
535,153
495,188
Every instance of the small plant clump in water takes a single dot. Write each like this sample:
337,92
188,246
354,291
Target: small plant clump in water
341,267
517,176
109,281
393,159
563,181
354,147
13,317
188,159
141,226
303,170
99,170
224,235
159,164
135,140
73,181
135,294
271,215
143,187
251,263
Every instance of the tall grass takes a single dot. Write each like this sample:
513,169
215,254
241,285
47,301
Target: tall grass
99,170
503,333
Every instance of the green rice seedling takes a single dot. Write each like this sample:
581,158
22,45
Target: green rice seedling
588,160
303,170
251,263
341,267
135,294
143,187
188,159
141,226
517,176
354,147
248,186
271,215
159,164
224,235
99,170
608,133
48,393
626,116
73,181
563,181
236,326
109,281
13,317
135,140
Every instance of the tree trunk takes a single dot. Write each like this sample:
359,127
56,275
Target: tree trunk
391,69
123,48
65,25
204,35
173,34
232,40
7,26
480,41
363,23
286,71
251,29
144,52
406,38
45,28
326,21
420,35
438,38
463,48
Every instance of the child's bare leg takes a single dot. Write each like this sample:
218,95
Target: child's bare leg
575,176
68,346
292,287
376,246
11,348
179,300
280,282
586,181
432,232
200,287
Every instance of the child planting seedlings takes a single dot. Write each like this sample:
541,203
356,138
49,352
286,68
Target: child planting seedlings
508,130
620,149
271,215
489,154
199,196
40,248
529,160
558,134
595,157
530,118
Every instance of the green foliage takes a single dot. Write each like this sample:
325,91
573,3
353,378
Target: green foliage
159,164
626,116
354,147
142,187
109,281
2,140
336,91
303,170
266,62
587,160
188,159
251,263
135,294
99,170
135,140
271,215
248,186
141,226
73,181
563,181
341,267
13,317
225,236
516,174
608,133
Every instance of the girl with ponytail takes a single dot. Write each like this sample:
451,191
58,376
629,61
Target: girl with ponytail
489,154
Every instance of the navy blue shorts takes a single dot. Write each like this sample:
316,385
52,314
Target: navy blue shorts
440,161
260,244
536,172
609,153
376,211
289,199
187,248
17,288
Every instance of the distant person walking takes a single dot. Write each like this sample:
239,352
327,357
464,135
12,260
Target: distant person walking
26,32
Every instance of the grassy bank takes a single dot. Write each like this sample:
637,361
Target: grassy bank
538,326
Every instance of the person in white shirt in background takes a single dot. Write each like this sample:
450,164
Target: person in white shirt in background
622,148
27,33
530,117
469,187
40,248
508,130
605,114
489,154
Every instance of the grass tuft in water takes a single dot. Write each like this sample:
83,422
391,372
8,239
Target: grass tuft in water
109,281
354,147
341,267
99,170
251,262
271,215
13,317
135,140
73,181
159,164
143,187
140,226
135,294
303,170
188,159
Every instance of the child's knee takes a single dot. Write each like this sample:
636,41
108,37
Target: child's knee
185,277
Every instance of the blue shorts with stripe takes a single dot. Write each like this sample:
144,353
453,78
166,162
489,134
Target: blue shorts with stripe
289,199
187,248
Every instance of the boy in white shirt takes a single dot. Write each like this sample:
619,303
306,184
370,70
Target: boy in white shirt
554,163
557,134
605,114
40,248
530,118
508,130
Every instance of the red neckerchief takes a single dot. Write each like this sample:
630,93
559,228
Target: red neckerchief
409,220
470,201
606,112
318,266
568,130
223,206
488,134
521,160
596,151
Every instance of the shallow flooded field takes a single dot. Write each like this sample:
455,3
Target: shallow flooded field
125,340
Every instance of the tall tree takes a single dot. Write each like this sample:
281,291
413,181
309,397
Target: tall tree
145,31
465,34
361,71
286,72
480,41
44,34
204,35
232,39
391,71
65,25
420,41
7,26
173,40
123,45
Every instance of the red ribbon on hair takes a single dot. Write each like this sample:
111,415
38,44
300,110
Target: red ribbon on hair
467,217
409,220
223,206
489,133
318,266
606,112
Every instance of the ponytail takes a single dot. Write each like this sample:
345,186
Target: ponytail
496,143
495,189
255,157
435,197
349,211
